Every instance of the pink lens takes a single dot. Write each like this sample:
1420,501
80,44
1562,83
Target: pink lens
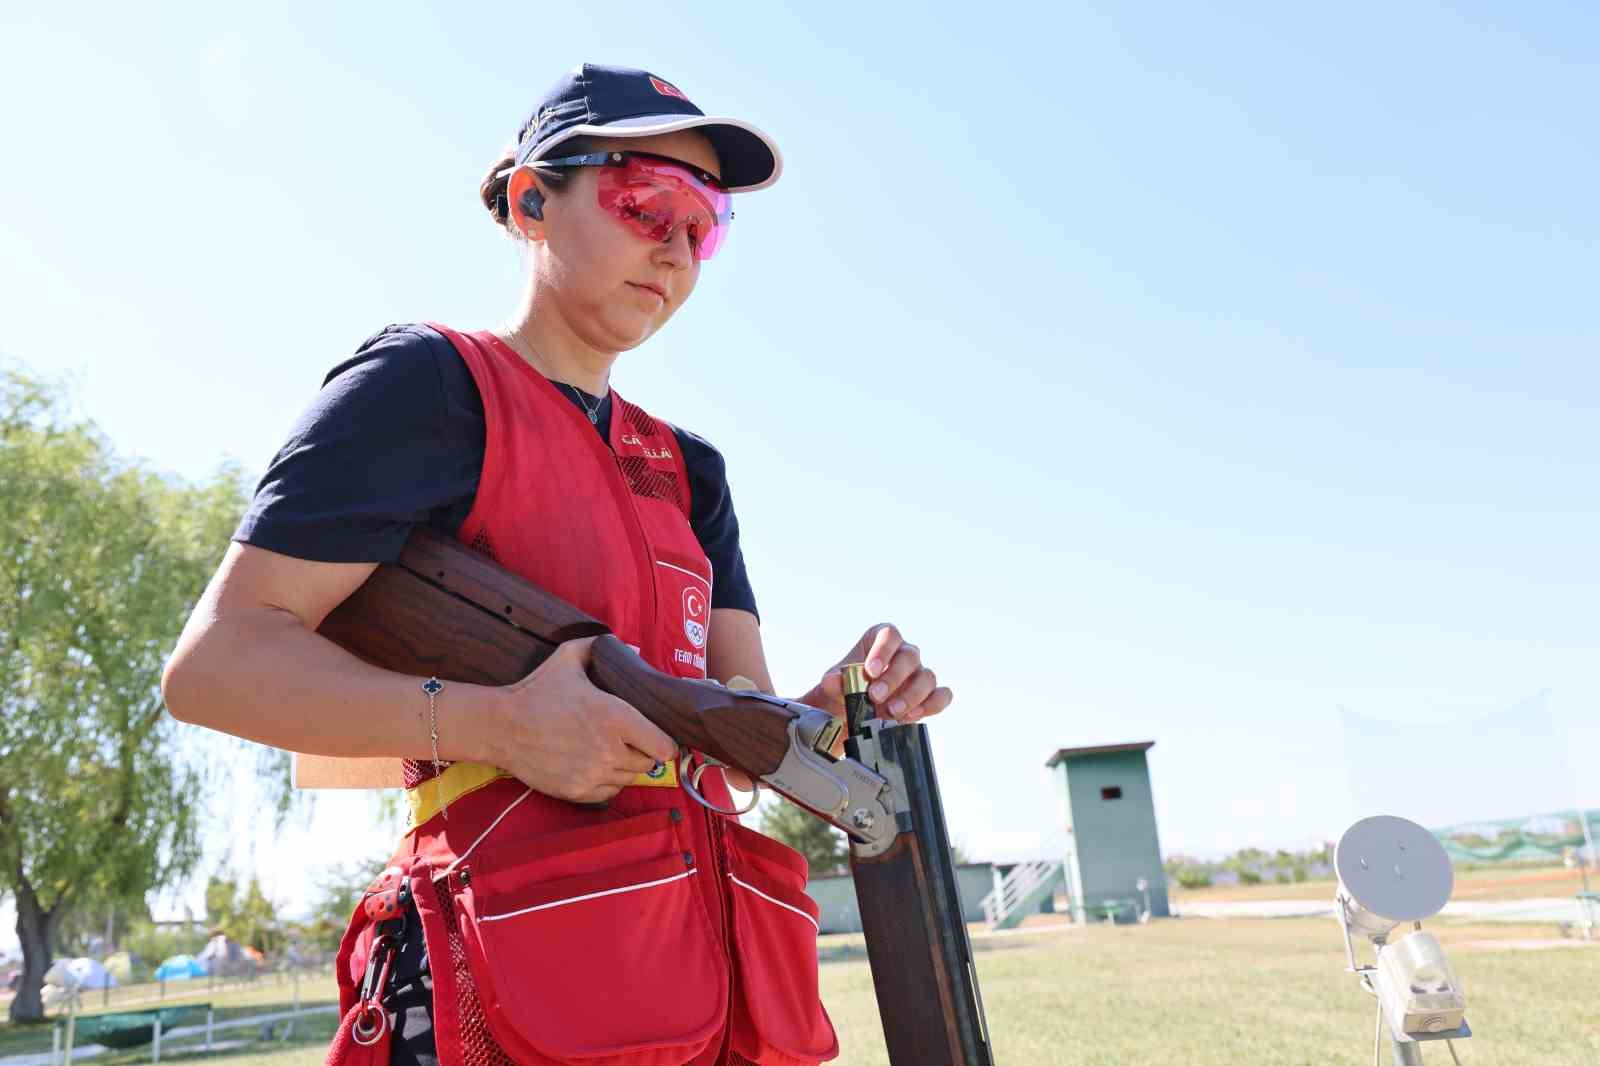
655,198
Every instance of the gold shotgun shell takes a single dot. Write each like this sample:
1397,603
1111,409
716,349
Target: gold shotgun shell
855,679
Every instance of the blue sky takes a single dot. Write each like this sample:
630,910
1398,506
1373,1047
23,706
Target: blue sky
1172,372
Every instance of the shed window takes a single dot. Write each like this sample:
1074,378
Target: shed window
1114,792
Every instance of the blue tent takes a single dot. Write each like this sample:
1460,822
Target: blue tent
180,968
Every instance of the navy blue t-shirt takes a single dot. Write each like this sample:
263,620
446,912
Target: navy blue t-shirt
395,439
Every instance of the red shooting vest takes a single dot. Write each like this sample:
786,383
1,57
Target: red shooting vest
649,932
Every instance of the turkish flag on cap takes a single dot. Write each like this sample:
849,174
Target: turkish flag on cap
667,90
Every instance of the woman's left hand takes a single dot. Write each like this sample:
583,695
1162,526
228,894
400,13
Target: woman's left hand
900,686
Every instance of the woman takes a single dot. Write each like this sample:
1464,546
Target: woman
545,906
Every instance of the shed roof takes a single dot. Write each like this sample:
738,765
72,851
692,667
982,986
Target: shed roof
1099,749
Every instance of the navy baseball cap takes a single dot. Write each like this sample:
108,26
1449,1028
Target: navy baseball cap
624,102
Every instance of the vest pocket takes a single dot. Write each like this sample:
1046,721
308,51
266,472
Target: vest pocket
683,599
778,1018
593,953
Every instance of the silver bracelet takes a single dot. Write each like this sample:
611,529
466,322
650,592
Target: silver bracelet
433,686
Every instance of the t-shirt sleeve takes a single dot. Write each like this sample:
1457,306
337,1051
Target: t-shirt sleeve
390,442
715,525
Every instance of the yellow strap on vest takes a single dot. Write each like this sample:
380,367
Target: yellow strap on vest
437,793
460,778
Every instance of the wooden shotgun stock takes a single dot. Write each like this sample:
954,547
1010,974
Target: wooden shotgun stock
446,611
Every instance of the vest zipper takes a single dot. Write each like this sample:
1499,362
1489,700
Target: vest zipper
649,624
719,846
721,869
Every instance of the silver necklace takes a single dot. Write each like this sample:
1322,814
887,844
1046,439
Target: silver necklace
592,412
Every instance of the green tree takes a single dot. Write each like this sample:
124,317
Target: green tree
339,889
82,930
823,846
220,894
247,917
100,561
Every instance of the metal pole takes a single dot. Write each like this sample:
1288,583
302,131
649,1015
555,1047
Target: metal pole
295,1017
210,1014
1407,1054
72,1024
155,1045
1588,836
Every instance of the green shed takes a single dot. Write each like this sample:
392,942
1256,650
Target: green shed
1111,831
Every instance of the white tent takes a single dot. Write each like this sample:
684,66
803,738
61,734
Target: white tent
79,973
225,958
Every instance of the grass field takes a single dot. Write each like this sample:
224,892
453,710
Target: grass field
1486,884
1197,992
232,998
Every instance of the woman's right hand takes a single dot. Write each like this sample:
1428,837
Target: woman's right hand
560,735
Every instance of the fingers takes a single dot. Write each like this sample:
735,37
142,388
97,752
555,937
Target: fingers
601,794
648,743
918,687
901,687
632,762
885,642
570,657
576,652
639,733
602,783
937,701
889,688
574,741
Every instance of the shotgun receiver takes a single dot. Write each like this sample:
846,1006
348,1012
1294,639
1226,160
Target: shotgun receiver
445,610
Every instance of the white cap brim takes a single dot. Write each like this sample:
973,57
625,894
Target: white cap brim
744,139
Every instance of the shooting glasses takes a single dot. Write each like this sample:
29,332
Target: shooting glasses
654,194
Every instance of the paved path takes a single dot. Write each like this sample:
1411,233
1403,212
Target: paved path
1544,909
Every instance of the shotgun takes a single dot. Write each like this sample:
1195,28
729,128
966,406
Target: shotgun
447,611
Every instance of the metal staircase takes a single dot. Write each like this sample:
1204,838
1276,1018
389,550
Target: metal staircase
1027,885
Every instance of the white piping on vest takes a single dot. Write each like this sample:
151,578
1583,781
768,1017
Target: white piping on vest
779,902
683,570
590,895
463,856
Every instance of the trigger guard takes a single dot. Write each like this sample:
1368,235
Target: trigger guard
690,779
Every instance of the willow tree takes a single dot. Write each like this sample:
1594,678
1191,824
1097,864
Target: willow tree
100,560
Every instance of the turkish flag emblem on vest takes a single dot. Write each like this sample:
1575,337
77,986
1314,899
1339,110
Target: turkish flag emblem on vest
694,616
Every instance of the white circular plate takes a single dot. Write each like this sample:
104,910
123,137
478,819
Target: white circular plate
1394,868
